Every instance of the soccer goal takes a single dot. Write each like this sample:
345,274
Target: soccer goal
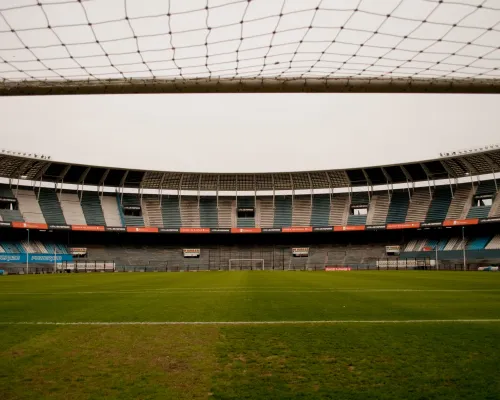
246,263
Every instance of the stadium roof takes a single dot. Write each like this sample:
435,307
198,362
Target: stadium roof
115,46
28,167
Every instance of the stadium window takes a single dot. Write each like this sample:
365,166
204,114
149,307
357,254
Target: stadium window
246,212
7,203
132,211
359,210
484,202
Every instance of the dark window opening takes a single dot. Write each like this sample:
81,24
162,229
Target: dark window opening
247,212
132,211
488,201
355,210
8,204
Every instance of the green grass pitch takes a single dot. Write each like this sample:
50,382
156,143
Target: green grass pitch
334,335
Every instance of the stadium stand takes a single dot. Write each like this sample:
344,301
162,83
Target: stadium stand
171,212
131,200
71,208
245,202
283,211
50,206
419,204
92,209
398,208
190,213
11,216
461,202
265,212
440,204
29,207
379,207
111,211
494,243
320,210
225,213
478,243
479,212
339,209
495,207
301,211
151,211
487,187
209,217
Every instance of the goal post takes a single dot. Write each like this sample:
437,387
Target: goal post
246,263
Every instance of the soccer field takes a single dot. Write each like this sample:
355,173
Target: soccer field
251,335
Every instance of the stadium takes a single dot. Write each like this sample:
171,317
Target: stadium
147,267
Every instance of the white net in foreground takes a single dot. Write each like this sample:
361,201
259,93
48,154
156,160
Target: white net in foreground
199,45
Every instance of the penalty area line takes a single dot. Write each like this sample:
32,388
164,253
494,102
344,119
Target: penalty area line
314,322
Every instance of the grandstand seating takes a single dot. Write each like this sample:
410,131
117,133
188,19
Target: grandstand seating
283,211
50,206
110,211
461,202
170,212
131,200
71,208
398,208
379,207
478,243
92,209
441,200
419,204
11,216
302,209
339,209
29,207
487,187
245,202
320,210
225,213
209,217
151,211
356,220
6,191
479,212
190,213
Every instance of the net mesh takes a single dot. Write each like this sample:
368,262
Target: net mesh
118,43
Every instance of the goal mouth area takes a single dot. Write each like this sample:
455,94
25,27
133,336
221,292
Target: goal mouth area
248,263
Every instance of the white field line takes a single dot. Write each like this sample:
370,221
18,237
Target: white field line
330,322
234,290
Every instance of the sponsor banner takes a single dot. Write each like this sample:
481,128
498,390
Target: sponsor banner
294,229
60,227
331,269
142,229
87,228
132,208
168,230
28,225
115,229
77,251
460,222
8,199
430,224
246,230
271,230
191,252
34,258
322,229
484,196
374,227
392,249
194,230
404,225
357,206
300,251
220,230
246,210
349,228
489,220
4,224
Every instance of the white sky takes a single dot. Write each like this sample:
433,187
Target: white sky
247,132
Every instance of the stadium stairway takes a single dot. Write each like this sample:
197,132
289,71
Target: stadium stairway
245,202
339,210
71,208
495,207
440,204
225,214
132,200
461,202
283,211
209,217
50,206
379,207
29,207
92,209
320,210
190,213
419,205
151,211
301,211
398,208
265,212
171,212
494,243
110,211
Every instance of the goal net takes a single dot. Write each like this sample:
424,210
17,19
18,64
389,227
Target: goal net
58,47
246,264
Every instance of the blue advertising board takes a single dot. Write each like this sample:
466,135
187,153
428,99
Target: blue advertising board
34,258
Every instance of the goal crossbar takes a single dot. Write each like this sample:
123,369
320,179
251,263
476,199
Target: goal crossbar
252,260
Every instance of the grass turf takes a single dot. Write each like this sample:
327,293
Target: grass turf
431,360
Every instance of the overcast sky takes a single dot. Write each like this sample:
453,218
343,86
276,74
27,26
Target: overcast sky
247,132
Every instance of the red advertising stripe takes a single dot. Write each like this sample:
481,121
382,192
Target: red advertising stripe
142,229
404,225
28,225
461,222
87,228
292,229
246,230
194,230
348,228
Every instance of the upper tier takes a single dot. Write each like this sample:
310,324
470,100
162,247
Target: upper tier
456,165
